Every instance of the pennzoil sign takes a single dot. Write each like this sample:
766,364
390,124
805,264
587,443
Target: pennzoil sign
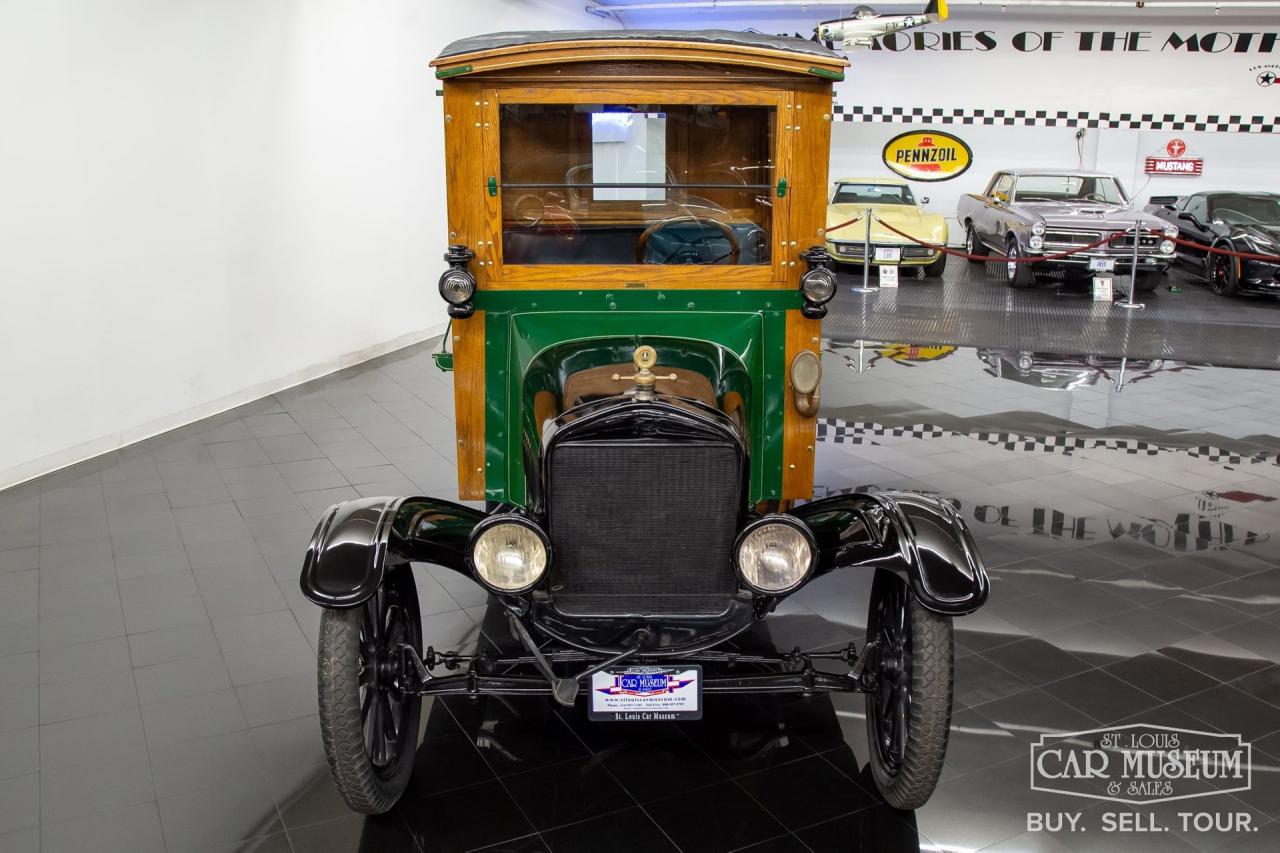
927,155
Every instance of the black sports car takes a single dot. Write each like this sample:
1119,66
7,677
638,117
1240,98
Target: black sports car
1240,221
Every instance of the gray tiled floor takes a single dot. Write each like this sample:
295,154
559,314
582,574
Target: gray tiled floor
157,661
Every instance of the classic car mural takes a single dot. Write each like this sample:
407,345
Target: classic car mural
891,201
1237,221
1034,213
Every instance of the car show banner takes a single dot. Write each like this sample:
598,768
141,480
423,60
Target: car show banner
1108,71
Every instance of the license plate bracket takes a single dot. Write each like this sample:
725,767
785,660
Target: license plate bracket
1102,264
646,694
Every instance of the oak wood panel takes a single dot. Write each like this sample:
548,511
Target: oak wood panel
642,92
468,404
811,142
639,50
596,277
798,432
463,137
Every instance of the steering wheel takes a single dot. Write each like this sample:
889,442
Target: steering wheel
690,250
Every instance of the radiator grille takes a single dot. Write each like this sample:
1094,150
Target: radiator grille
643,528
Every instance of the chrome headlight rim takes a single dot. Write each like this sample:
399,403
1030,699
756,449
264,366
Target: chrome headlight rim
452,295
498,520
1170,231
1167,247
828,283
1036,243
786,521
1038,229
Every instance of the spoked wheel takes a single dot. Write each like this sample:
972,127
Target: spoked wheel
909,706
368,721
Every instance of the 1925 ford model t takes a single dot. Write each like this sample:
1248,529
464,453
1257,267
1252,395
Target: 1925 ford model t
636,285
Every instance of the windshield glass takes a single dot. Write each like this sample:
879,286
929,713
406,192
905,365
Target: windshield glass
1247,209
636,183
1068,188
872,194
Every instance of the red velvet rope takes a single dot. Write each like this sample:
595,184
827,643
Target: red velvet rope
1075,251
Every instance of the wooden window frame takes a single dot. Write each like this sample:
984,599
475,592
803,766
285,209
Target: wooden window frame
777,274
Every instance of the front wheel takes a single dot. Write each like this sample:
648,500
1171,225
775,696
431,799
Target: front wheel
909,707
1224,274
1017,273
973,247
368,720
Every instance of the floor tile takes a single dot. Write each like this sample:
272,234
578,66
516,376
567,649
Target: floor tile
626,831
721,817
433,820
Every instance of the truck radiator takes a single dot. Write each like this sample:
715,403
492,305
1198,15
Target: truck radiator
643,527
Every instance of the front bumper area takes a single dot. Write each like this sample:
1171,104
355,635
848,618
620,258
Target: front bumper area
913,255
517,665
1260,276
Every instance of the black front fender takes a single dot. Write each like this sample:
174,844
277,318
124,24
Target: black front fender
356,541
919,537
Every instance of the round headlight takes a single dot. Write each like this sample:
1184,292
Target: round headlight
818,285
1025,362
1166,247
775,555
1171,231
509,554
806,372
1038,229
1036,243
457,286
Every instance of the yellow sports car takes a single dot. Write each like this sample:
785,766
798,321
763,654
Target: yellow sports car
891,200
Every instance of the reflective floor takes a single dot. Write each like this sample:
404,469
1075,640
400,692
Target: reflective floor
972,306
157,665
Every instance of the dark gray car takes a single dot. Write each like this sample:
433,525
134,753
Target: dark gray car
1036,212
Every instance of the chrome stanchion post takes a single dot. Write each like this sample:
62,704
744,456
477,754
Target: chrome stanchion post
866,257
1133,274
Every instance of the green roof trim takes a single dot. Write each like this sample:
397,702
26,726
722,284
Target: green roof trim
823,72
454,72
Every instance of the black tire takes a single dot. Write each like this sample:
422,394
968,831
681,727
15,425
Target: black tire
937,268
909,710
1223,272
370,777
973,246
1017,274
1147,282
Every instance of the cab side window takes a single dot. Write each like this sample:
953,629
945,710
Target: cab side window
1002,189
1198,206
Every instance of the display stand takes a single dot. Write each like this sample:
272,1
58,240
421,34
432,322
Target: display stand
866,259
1133,274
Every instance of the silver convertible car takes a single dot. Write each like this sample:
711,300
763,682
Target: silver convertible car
1031,213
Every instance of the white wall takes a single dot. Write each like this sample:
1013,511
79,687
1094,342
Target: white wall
204,202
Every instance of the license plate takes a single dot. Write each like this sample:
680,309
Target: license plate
889,254
1102,264
646,693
